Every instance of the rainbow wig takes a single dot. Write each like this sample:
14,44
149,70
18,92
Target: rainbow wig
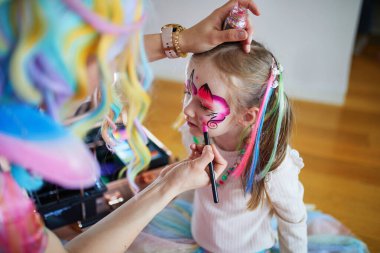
46,48
252,150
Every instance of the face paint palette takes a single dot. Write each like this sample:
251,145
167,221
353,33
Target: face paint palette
59,206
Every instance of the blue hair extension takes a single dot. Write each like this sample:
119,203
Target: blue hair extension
116,109
25,179
256,150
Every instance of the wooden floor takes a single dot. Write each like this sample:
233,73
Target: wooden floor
340,146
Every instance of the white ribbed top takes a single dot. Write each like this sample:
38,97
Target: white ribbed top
229,227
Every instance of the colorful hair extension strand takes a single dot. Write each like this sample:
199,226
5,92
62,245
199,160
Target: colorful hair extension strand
256,150
256,133
240,168
281,113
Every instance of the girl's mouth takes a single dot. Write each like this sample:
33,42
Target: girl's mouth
191,125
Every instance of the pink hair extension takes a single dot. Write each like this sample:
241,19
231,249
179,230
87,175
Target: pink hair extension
248,152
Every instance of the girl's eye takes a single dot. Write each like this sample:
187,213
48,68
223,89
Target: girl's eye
186,92
205,108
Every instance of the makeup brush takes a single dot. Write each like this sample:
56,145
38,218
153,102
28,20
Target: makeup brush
210,166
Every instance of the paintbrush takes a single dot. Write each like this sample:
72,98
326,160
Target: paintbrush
210,166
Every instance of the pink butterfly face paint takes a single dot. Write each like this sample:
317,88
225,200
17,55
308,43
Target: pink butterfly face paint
217,107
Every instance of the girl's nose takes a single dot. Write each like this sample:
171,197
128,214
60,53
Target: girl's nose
188,110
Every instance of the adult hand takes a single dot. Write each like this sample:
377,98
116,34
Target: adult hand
196,150
193,173
208,33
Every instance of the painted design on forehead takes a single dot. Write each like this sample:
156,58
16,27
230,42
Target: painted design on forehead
217,104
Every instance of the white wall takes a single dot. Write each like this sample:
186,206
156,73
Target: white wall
312,39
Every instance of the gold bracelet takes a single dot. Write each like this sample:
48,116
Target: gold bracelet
177,47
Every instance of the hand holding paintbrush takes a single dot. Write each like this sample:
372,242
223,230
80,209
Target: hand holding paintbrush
210,166
218,165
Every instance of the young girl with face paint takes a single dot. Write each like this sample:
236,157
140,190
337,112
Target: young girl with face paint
240,98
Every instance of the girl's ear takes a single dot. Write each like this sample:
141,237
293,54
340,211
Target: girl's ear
249,117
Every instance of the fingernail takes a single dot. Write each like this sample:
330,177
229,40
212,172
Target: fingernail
247,48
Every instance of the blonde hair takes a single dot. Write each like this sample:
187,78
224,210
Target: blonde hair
253,71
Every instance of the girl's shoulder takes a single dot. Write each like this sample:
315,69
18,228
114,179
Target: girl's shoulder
287,172
292,162
283,188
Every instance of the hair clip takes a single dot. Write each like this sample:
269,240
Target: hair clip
275,84
277,70
281,68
